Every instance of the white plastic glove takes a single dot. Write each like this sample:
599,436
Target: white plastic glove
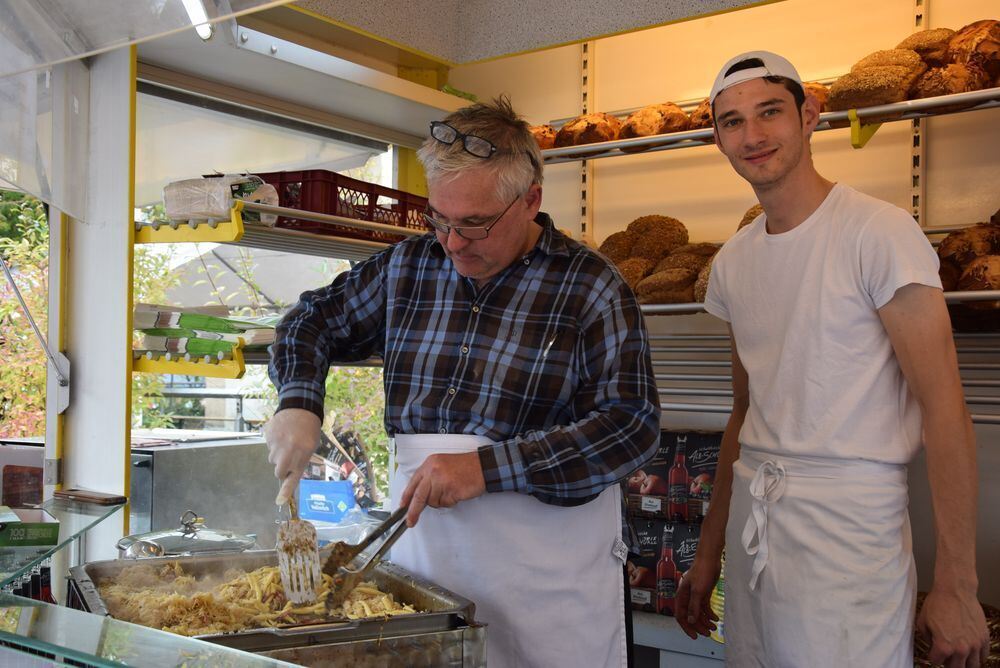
292,436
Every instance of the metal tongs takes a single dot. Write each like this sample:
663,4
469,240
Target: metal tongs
338,564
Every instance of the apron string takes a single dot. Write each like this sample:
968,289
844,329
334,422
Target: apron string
767,486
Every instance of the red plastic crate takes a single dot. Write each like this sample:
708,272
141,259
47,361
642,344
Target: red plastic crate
322,191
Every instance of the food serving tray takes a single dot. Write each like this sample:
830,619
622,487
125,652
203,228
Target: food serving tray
441,610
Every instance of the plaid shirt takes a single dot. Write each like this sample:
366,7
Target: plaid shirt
550,360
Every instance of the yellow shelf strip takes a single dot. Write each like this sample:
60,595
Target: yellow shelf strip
219,231
861,133
168,363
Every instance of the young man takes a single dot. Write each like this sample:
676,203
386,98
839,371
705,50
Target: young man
843,367
519,391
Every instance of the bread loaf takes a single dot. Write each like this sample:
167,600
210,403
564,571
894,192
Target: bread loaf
618,246
671,286
655,119
701,117
906,58
930,45
703,249
953,78
634,269
977,44
656,236
588,129
677,260
983,273
750,215
963,246
873,86
701,283
545,135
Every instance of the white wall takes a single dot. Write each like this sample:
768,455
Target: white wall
678,62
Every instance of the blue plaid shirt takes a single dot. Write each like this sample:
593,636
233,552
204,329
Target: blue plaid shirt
550,360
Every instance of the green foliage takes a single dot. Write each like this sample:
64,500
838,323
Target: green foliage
22,373
355,401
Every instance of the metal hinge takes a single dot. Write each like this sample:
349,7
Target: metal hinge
52,472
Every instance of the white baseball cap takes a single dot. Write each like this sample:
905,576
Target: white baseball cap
773,66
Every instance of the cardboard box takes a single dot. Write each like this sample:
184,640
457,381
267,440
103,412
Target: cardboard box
642,567
676,484
24,527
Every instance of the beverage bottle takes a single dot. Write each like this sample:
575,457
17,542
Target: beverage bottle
677,488
666,574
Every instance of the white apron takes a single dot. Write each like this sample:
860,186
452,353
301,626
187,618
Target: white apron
544,578
819,566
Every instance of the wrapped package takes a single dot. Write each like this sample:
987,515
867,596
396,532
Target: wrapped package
208,197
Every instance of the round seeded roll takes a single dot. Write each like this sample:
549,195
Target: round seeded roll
704,249
818,91
873,86
671,286
750,215
681,261
618,245
701,117
701,283
635,269
983,273
930,45
890,58
655,119
588,129
545,136
977,44
656,236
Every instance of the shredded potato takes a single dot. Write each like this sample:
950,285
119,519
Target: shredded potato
167,598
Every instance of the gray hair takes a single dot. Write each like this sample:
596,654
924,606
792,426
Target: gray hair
517,162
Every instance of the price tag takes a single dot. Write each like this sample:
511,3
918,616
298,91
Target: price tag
651,504
642,597
620,550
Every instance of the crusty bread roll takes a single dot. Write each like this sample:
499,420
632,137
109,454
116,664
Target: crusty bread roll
953,78
655,119
750,215
890,58
977,44
634,269
703,249
588,129
983,273
701,117
818,91
545,135
671,286
618,246
656,236
701,283
930,45
677,260
873,86
963,246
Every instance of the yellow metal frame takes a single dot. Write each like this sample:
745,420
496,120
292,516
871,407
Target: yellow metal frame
227,368
224,230
861,132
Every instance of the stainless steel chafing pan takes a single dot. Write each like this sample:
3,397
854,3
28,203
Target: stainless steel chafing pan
441,610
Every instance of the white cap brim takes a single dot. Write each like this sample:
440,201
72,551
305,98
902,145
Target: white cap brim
773,66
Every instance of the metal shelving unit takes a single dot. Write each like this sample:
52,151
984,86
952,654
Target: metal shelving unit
863,123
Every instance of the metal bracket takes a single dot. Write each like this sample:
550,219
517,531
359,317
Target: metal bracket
52,472
63,386
861,133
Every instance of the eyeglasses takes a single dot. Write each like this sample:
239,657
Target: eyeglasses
474,144
470,232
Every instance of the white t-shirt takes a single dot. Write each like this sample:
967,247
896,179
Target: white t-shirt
824,380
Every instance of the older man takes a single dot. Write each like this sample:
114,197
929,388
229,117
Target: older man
519,392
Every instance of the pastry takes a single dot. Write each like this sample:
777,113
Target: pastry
588,129
655,119
545,135
701,117
818,91
930,45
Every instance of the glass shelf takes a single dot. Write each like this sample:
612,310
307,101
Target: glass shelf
74,520
95,640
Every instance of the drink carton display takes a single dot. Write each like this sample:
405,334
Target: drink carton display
642,567
702,457
666,552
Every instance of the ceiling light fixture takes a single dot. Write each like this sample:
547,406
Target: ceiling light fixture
199,18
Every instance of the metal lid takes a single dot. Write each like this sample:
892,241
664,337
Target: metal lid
191,538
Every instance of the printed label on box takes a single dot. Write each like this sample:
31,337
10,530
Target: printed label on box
651,504
642,597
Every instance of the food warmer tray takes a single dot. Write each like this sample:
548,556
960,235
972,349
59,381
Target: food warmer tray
442,610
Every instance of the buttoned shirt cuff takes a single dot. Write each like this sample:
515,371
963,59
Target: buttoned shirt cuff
503,468
301,395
